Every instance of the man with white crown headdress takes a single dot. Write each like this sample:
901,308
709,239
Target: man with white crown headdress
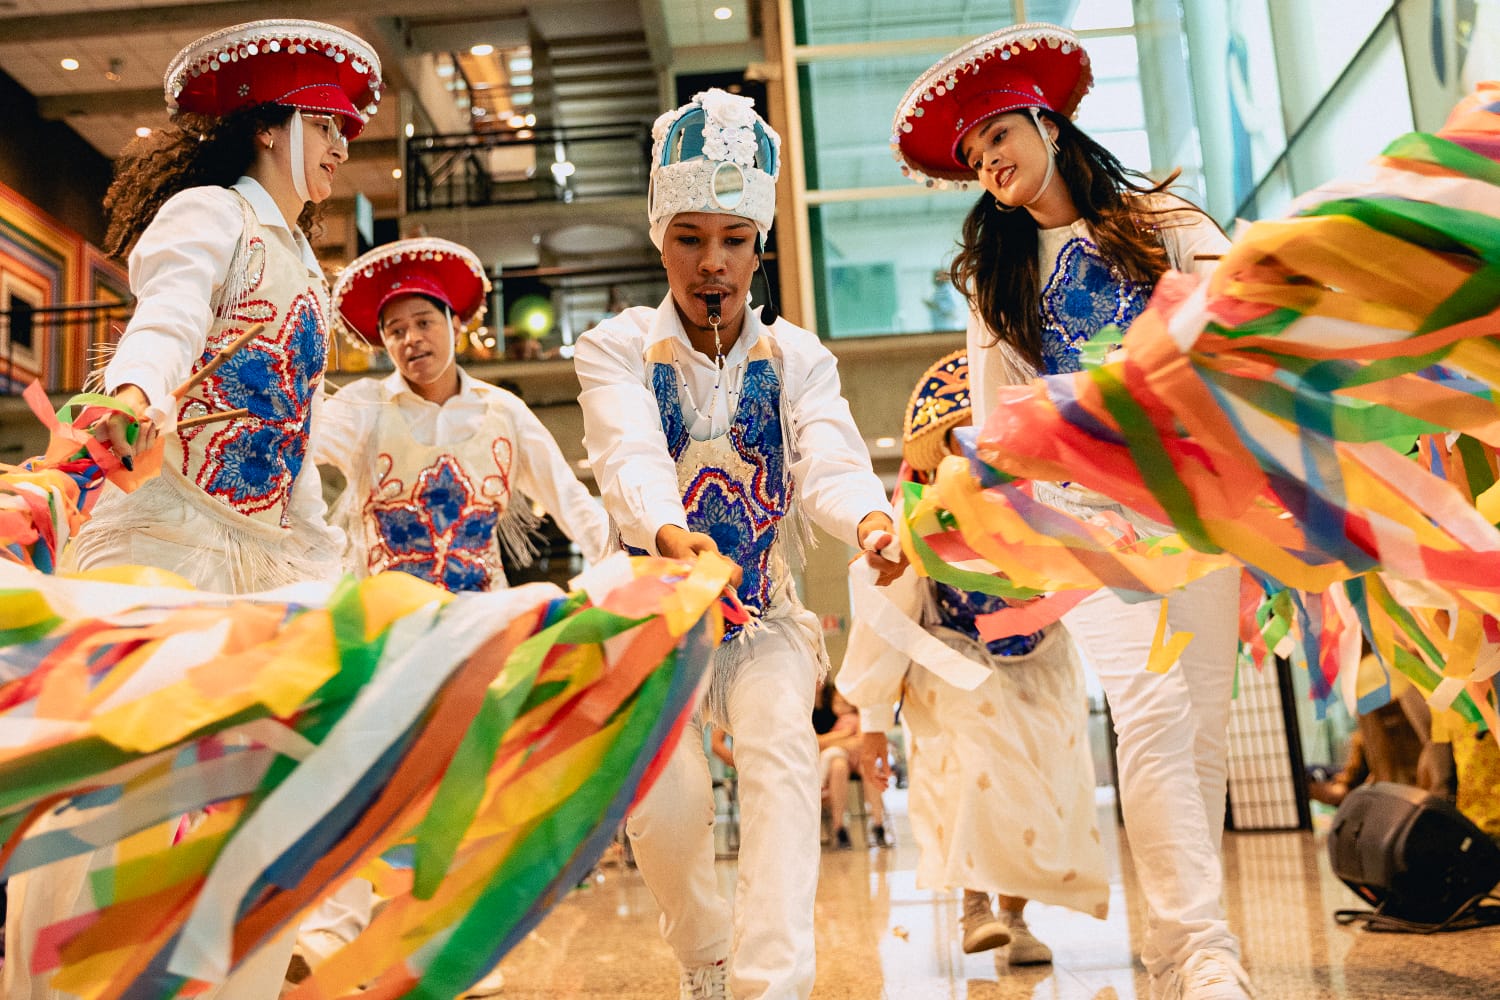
713,429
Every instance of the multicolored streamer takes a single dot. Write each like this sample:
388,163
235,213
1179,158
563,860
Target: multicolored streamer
45,500
1320,410
316,733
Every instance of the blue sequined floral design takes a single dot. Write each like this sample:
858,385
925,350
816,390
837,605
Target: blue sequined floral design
959,609
741,517
443,534
1082,296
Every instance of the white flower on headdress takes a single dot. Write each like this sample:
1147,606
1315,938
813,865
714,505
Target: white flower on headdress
729,127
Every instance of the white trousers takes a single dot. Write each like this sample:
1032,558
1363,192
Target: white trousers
770,703
1173,754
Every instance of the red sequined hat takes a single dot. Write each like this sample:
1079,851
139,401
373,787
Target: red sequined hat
1025,66
301,64
440,269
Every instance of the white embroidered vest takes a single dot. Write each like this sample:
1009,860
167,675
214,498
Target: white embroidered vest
249,464
434,511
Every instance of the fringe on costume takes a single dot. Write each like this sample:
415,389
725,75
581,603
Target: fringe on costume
519,531
257,556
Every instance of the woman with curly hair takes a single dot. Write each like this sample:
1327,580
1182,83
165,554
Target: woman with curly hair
214,214
1063,243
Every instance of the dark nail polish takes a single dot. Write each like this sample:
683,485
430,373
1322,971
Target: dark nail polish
128,462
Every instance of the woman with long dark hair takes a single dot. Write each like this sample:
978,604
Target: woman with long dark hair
1062,243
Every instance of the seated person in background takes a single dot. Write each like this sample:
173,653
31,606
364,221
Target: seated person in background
837,724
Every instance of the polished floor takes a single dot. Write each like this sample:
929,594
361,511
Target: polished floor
879,936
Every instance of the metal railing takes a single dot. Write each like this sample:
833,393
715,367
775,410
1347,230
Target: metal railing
528,165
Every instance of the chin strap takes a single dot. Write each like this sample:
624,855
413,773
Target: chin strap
299,166
1051,145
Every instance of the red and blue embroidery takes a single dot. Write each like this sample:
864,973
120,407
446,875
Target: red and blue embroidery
443,531
251,463
740,515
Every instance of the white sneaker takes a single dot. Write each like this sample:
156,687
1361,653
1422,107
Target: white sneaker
1206,975
1024,948
489,986
982,931
705,982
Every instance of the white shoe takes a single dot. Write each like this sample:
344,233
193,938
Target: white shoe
982,931
1206,975
1024,948
705,982
489,986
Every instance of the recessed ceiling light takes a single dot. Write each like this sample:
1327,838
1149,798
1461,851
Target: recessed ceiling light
396,173
70,64
723,13
411,130
483,49
516,121
885,442
530,120
143,131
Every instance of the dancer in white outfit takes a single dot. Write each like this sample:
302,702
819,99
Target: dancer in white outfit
1062,243
1001,797
441,467
711,428
211,212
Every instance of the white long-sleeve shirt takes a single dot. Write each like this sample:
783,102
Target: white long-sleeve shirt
348,422
622,424
177,265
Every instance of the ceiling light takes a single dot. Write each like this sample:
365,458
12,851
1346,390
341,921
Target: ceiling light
113,73
411,130
530,120
520,64
70,64
483,49
885,442
723,13
479,111
520,80
516,121
143,132
445,69
395,173
562,170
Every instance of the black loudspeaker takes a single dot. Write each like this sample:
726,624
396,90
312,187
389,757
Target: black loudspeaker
1411,855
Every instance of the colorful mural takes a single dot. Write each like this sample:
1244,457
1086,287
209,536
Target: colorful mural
45,266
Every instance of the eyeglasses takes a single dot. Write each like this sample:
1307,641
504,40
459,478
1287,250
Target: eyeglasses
329,125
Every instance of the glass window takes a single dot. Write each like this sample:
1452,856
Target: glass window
1315,40
836,22
877,264
847,108
1370,107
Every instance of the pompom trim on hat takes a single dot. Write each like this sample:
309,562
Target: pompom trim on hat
960,69
228,46
419,254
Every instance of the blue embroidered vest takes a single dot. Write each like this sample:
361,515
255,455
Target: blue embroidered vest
736,487
958,609
1081,296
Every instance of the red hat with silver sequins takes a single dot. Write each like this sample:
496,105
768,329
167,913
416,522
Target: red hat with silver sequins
439,269
1025,66
302,64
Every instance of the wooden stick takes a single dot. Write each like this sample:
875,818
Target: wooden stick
1207,256
212,418
225,353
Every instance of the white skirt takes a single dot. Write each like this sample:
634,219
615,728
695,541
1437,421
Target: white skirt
1002,780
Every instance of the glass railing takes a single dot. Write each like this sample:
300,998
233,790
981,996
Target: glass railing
527,165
